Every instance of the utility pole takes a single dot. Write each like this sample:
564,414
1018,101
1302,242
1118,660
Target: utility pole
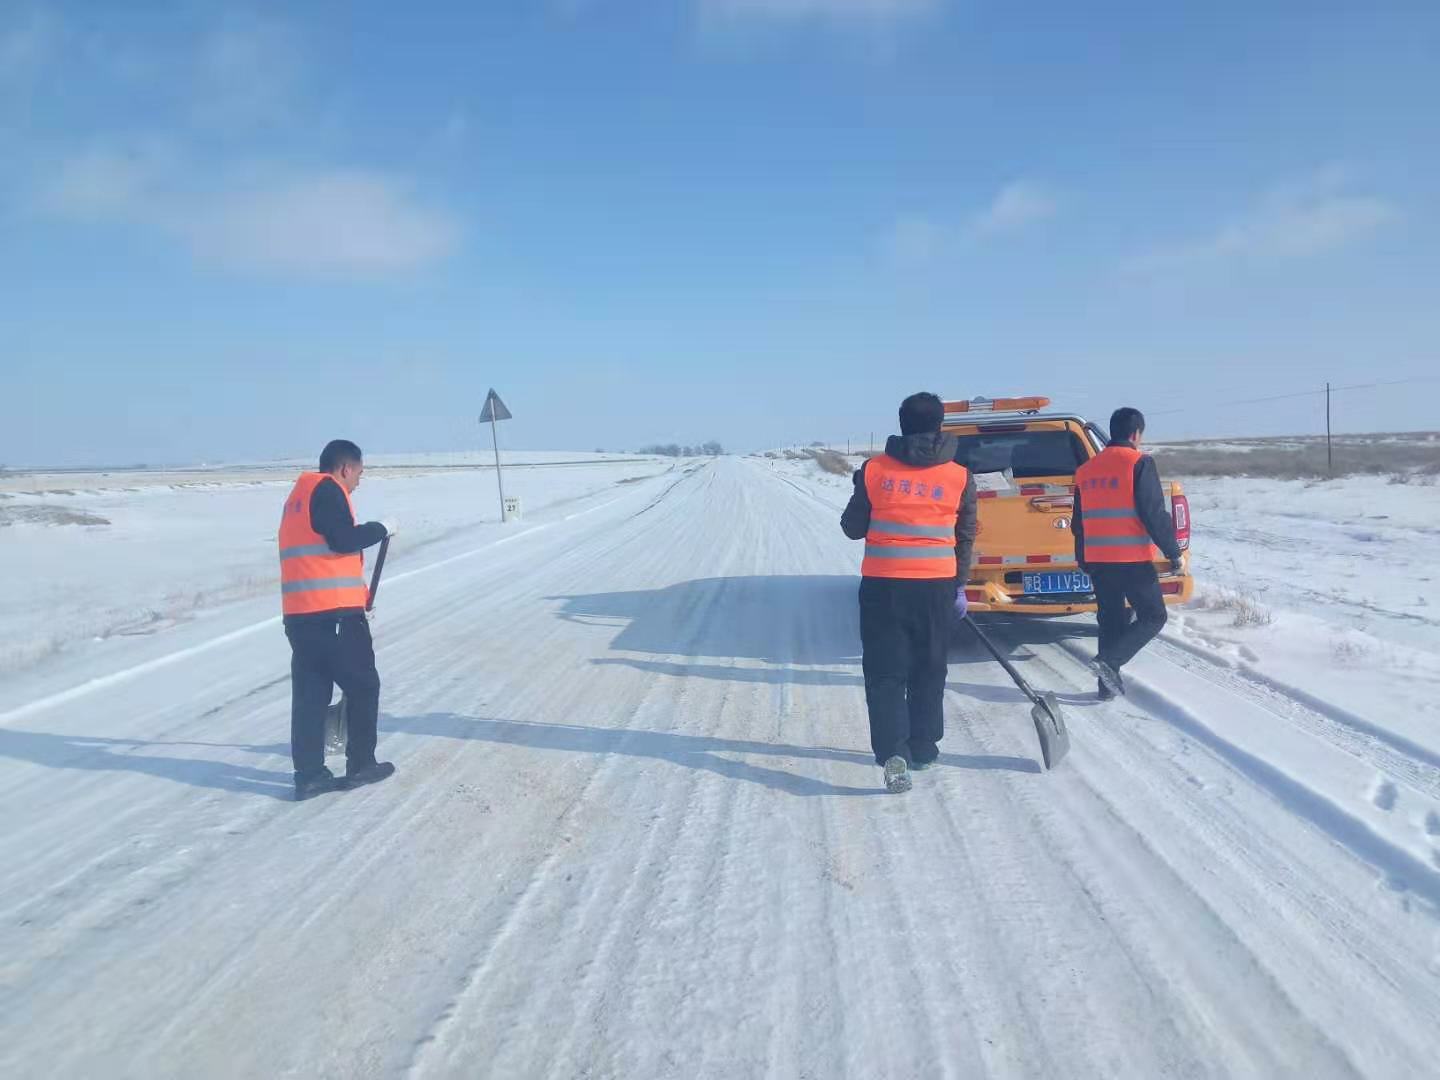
1329,449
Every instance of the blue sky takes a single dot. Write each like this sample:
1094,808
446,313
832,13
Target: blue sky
234,231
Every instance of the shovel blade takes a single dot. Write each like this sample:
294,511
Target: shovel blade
336,729
1050,727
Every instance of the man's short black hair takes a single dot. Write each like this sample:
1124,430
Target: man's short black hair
339,452
1125,424
921,413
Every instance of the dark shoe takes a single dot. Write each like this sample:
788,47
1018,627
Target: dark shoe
1103,692
369,774
918,765
1108,676
897,775
308,785
922,753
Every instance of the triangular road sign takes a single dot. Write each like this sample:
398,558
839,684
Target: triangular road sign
494,409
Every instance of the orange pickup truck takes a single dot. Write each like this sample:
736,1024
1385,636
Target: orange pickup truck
1024,463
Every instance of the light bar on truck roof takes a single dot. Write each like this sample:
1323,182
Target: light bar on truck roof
995,405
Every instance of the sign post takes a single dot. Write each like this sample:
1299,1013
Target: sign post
494,411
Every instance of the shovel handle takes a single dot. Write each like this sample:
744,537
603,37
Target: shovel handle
1018,679
1045,710
375,574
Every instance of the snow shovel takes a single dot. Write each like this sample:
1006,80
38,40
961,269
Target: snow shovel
1044,709
336,730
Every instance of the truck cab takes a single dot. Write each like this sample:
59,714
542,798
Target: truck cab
1023,460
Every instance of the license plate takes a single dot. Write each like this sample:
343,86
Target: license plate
1065,581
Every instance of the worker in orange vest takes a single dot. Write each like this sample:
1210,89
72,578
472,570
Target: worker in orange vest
323,595
915,508
1122,527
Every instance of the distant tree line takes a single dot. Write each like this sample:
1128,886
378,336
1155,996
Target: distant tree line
709,449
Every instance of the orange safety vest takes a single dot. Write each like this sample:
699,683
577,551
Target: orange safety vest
312,577
912,518
1112,527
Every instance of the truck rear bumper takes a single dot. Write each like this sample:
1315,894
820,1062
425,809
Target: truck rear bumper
989,592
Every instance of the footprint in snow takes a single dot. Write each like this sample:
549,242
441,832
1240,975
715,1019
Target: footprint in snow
1384,794
1432,824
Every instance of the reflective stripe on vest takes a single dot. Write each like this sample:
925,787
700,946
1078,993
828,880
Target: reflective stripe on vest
301,550
318,584
1113,530
882,551
912,518
313,578
900,528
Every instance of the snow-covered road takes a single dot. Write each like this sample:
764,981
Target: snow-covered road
636,833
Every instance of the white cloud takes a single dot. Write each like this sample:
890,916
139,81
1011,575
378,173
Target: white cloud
1298,219
106,182
914,240
1016,205
319,223
326,223
222,177
917,239
834,9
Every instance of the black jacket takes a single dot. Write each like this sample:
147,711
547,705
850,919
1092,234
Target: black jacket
921,451
1150,504
330,516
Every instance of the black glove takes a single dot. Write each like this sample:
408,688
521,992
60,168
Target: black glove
1177,564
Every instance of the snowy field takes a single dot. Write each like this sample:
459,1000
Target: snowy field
94,556
1411,457
635,830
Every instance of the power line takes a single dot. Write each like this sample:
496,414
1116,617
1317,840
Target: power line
1298,394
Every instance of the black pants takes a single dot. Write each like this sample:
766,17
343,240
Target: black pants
904,630
324,652
1121,635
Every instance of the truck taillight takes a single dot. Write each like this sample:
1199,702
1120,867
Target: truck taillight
1180,510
